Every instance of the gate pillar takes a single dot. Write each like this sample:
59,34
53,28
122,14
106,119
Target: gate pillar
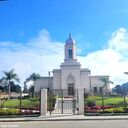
81,101
43,104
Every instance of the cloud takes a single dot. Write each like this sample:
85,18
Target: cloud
38,55
111,59
41,54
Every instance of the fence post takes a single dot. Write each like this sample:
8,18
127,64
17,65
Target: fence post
81,101
62,101
43,105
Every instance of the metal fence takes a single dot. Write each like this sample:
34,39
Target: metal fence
62,102
18,104
105,102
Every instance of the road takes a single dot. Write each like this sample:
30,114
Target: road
67,124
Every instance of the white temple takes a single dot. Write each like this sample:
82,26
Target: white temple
70,75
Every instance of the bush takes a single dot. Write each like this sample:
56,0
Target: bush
91,111
9,111
87,108
91,103
106,107
86,95
95,107
118,110
51,102
107,111
126,110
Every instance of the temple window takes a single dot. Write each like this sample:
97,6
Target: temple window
70,54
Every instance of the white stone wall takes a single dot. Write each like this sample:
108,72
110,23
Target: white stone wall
56,79
96,82
44,82
70,72
84,78
65,72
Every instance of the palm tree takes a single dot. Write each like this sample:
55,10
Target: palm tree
9,77
33,77
105,83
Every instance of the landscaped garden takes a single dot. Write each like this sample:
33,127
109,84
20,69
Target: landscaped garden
95,104
27,106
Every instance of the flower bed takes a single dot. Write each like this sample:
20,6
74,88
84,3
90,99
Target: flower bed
107,109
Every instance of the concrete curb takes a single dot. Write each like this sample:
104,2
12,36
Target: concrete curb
64,118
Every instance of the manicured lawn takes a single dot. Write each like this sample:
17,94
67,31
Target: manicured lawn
34,102
26,103
107,100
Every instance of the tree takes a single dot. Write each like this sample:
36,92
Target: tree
25,90
33,77
118,89
31,91
125,91
14,88
1,88
9,77
105,83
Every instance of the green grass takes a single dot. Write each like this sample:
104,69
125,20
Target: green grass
107,100
32,102
26,103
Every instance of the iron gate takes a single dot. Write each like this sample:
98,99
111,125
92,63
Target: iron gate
61,102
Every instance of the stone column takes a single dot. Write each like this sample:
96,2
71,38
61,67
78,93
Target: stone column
81,101
43,104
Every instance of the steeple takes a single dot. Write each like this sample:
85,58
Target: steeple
70,49
70,36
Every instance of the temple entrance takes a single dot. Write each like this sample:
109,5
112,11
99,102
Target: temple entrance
70,89
59,101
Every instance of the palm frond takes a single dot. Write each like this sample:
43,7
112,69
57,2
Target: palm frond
10,75
17,79
106,81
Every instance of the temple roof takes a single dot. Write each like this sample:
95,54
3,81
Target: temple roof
70,40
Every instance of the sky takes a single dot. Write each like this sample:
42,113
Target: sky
33,34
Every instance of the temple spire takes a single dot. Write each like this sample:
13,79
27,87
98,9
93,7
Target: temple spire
70,35
70,49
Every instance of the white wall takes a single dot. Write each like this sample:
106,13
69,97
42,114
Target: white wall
44,82
66,71
56,79
85,79
96,82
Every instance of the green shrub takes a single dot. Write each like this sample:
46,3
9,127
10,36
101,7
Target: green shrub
91,103
86,95
9,111
118,110
51,101
107,111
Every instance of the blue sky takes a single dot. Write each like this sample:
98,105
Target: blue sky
91,21
39,26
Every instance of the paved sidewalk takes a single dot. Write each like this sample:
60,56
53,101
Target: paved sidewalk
63,118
